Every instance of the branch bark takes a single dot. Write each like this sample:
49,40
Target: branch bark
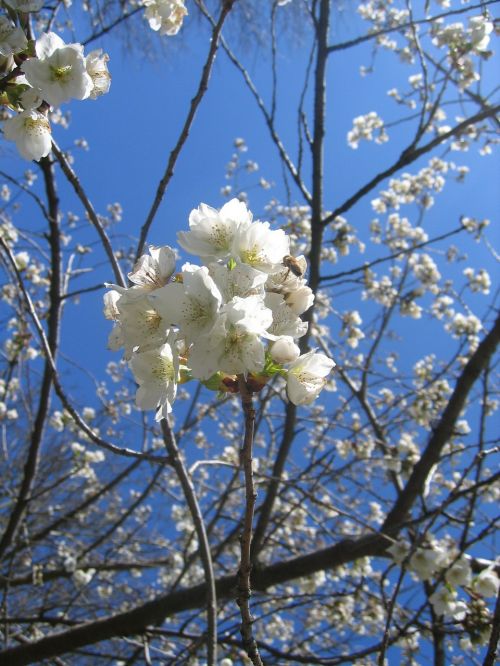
408,157
195,103
137,620
53,325
201,532
245,569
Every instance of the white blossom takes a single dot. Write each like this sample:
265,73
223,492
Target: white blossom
478,282
260,247
193,305
30,130
241,280
154,270
165,16
300,300
97,68
444,602
141,324
284,350
487,583
12,38
212,232
480,29
284,319
426,561
251,314
363,128
307,376
58,72
235,344
399,551
82,578
460,573
156,371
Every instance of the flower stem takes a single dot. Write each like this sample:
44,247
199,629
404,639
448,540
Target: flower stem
244,571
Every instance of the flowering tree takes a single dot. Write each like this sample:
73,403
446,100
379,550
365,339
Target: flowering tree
289,455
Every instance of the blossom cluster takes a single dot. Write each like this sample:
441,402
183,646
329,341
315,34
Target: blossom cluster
43,74
165,16
462,42
47,72
237,314
364,127
440,560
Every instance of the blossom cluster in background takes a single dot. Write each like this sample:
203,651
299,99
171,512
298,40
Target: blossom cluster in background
46,72
237,314
440,561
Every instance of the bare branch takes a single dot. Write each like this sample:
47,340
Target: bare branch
195,103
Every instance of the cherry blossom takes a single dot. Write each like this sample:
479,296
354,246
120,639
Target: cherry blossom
12,38
165,16
59,71
156,371
307,376
212,231
30,130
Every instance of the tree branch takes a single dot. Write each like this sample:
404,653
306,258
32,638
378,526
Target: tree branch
195,103
53,324
408,157
199,525
245,569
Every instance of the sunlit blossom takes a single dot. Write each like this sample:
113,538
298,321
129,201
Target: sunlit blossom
307,376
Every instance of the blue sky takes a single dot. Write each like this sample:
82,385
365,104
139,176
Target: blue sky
132,130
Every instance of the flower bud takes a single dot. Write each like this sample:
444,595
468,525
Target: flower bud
284,350
300,300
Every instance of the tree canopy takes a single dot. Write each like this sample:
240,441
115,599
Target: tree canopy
278,444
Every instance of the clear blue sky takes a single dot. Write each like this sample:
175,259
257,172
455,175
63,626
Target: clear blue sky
132,130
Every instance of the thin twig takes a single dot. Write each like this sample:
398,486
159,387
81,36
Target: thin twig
195,103
53,328
407,157
93,217
394,255
107,28
285,157
129,453
341,46
244,591
201,532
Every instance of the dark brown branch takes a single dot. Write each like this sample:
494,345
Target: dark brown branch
317,150
153,612
195,103
201,532
55,574
407,157
314,260
137,620
437,631
490,658
245,568
53,323
403,26
443,430
92,215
